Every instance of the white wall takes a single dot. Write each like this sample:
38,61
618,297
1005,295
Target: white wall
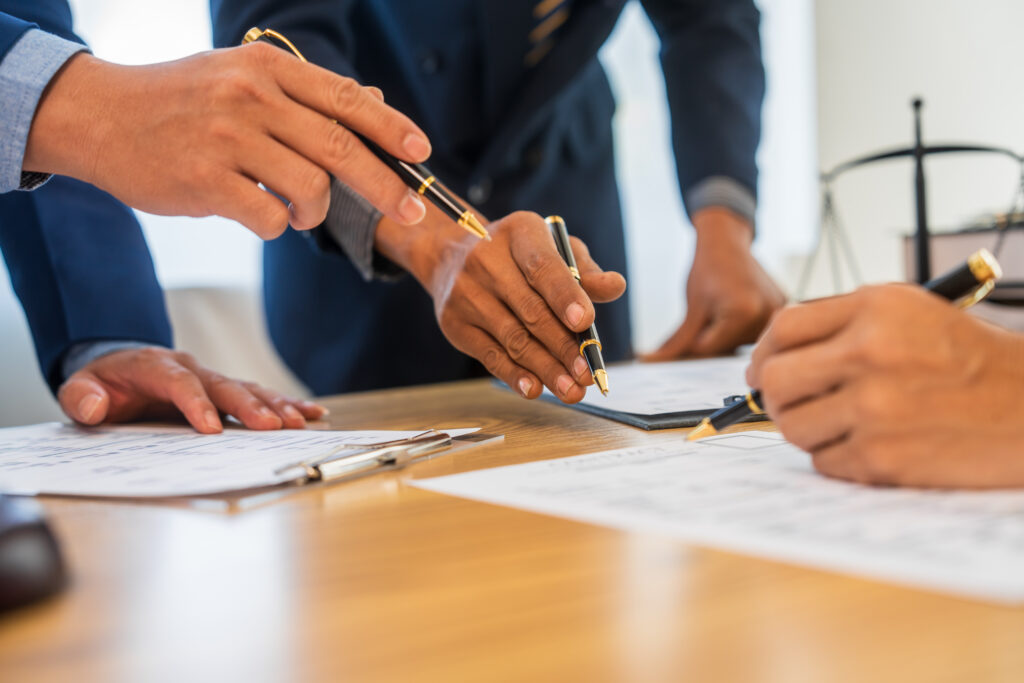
874,56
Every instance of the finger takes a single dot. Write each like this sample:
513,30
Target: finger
235,398
84,399
346,101
311,410
601,286
804,323
524,350
286,408
681,340
538,260
169,380
839,460
376,92
724,334
801,373
482,346
305,185
243,201
339,151
535,314
816,422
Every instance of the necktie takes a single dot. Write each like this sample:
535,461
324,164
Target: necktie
549,16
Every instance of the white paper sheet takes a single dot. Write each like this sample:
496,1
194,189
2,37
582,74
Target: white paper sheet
656,388
754,493
140,462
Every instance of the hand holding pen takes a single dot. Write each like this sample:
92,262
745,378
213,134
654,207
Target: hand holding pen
965,285
893,385
416,177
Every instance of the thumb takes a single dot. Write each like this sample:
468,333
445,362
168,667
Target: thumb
600,285
681,340
84,399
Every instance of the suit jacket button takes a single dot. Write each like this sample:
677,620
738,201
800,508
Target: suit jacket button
430,63
480,192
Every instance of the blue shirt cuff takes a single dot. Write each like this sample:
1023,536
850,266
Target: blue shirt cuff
26,70
721,191
83,353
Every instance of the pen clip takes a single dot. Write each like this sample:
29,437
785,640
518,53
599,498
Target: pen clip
361,459
977,295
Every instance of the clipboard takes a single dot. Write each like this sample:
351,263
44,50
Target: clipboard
675,420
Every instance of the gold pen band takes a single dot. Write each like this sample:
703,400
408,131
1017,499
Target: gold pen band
575,272
984,266
589,342
426,183
752,404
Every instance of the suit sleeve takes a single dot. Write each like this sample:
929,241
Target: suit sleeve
81,269
714,76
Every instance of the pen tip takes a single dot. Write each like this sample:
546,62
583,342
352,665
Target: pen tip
601,379
702,430
476,227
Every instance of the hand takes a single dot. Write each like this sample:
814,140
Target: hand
729,296
511,303
893,385
154,383
195,136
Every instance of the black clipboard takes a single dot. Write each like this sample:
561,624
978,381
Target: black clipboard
676,420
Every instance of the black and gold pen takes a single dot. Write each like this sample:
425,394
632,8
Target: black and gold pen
417,176
965,285
590,343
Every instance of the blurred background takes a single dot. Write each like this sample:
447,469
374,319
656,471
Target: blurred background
841,76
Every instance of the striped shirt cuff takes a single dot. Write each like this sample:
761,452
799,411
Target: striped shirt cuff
26,70
724,192
352,223
83,353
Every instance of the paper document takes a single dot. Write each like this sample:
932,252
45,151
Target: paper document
754,493
139,462
666,395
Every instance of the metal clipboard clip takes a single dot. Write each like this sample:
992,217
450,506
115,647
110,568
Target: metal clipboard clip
351,461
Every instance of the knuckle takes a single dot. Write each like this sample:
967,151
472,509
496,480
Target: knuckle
516,341
314,184
345,93
492,360
532,310
873,402
340,145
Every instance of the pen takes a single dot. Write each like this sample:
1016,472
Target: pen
417,176
590,343
965,285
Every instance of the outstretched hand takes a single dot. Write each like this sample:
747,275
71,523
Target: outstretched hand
155,383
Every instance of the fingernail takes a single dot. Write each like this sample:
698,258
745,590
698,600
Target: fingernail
574,313
411,208
88,405
525,386
266,412
211,421
416,146
580,367
376,92
292,414
564,384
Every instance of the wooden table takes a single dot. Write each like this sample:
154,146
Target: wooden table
377,581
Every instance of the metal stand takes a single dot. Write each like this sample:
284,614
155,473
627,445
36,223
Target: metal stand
835,237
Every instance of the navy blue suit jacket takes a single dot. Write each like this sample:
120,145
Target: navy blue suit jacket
76,256
518,138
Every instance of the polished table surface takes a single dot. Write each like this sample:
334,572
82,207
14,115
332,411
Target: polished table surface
375,580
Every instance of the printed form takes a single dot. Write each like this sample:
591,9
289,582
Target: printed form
754,493
138,462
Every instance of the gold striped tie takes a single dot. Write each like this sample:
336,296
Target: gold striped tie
549,16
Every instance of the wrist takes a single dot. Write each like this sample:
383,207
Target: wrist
720,225
70,121
425,248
